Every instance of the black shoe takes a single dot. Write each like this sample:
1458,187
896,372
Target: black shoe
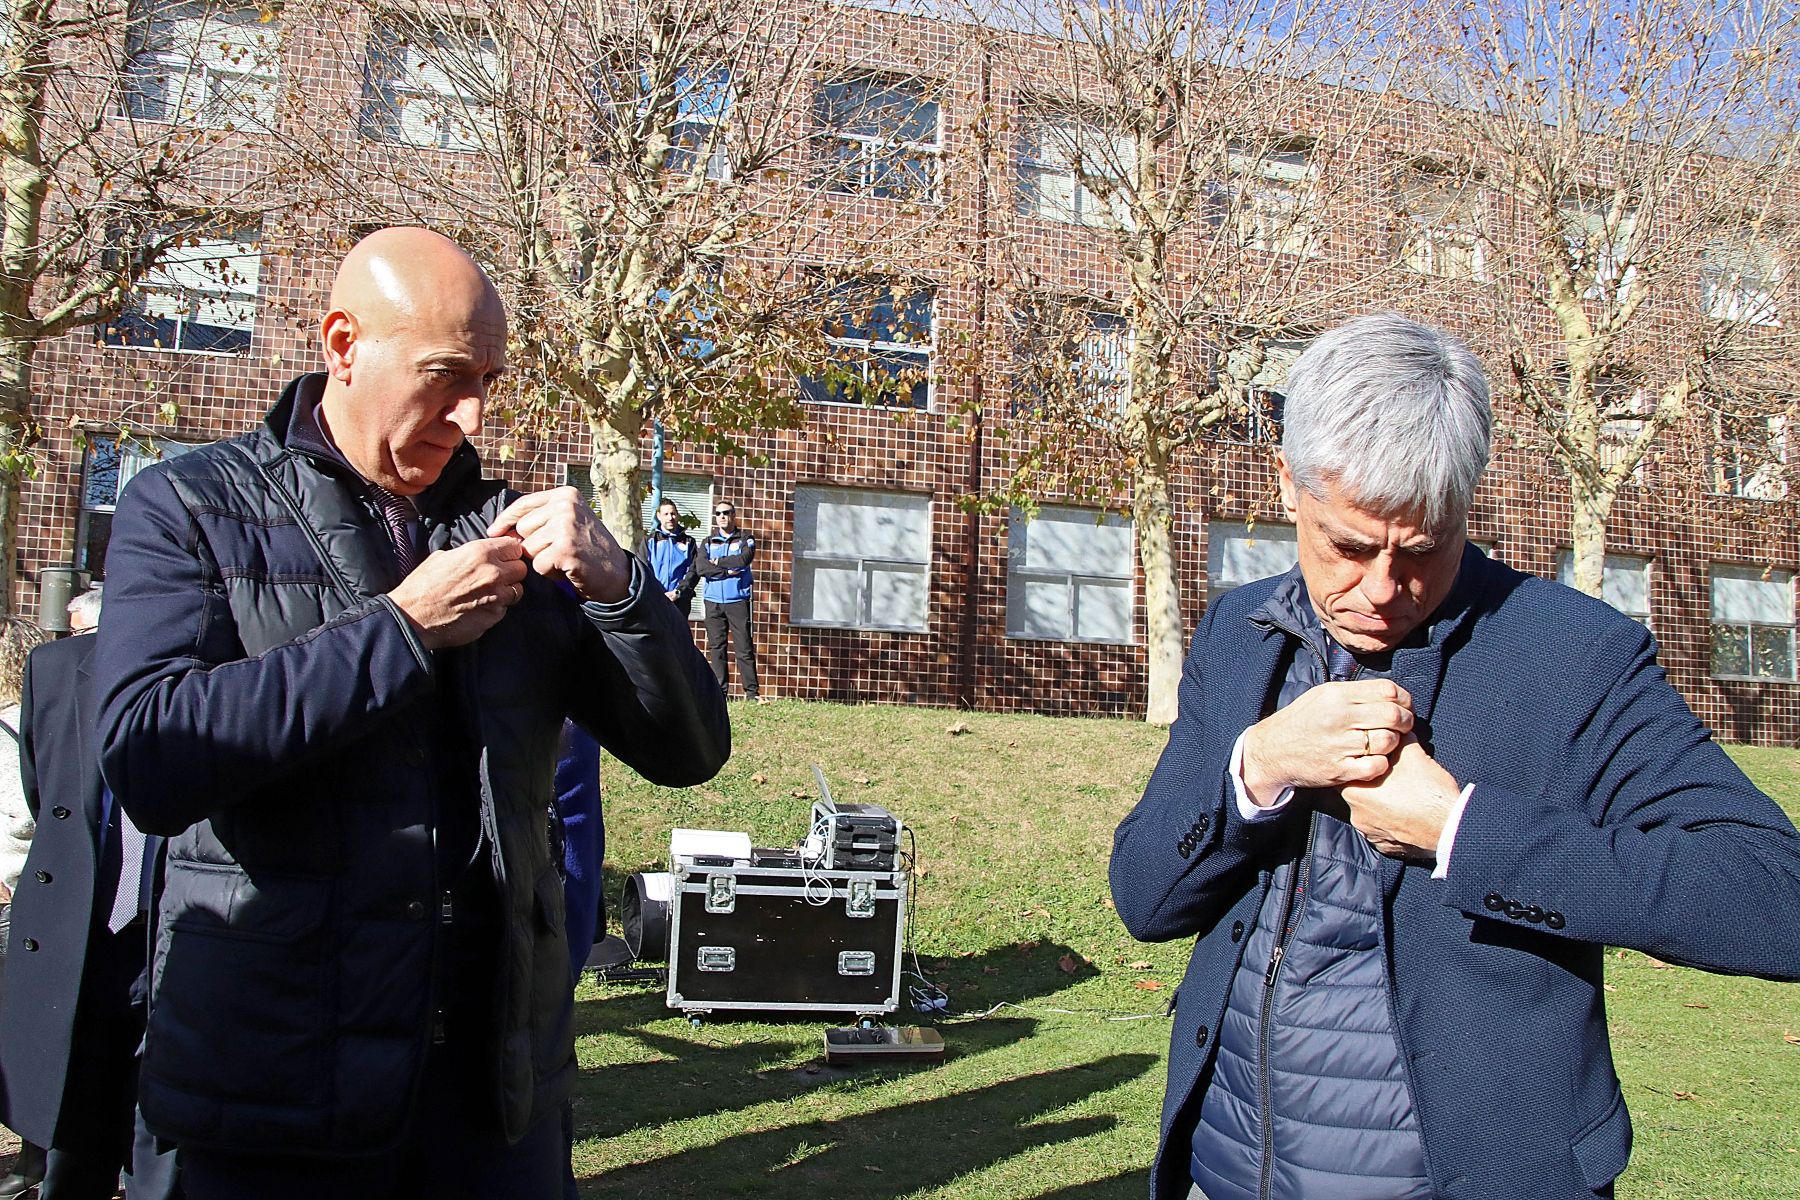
19,1187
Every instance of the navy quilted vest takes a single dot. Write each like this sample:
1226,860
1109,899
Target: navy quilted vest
1309,1099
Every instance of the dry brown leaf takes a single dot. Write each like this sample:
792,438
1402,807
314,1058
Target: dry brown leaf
759,777
1068,964
797,794
1696,1004
1686,1096
862,781
1658,963
1142,964
1609,987
1792,1039
1108,901
957,729
990,970
1147,985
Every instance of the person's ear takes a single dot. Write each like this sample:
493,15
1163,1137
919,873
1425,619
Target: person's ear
338,333
1290,499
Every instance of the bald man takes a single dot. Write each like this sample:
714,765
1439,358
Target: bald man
335,668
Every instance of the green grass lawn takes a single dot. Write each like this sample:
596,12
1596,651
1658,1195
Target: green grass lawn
1053,1079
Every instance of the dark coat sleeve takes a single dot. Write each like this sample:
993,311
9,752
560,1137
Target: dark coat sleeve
646,692
190,724
1666,848
1184,855
28,776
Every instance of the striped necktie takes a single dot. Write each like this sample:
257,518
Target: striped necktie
400,515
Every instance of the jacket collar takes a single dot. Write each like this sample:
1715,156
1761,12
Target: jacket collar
294,424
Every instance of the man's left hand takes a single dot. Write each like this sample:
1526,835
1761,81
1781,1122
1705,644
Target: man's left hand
1403,813
565,540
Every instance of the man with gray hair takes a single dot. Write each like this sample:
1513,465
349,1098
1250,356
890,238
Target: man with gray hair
1411,796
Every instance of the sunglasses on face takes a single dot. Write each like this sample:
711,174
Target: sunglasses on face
723,512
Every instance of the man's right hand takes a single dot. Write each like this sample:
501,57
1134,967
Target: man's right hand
1334,734
456,595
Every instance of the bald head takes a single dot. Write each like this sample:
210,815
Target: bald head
414,337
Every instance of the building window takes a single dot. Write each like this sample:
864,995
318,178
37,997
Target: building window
1055,154
1740,281
1262,391
702,106
1624,582
430,84
199,296
1747,457
197,63
1440,231
1270,200
1599,245
692,495
1069,576
879,136
862,560
1752,623
881,339
1238,553
106,467
1070,352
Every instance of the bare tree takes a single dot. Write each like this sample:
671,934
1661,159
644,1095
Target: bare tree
116,127
1646,154
1206,148
656,182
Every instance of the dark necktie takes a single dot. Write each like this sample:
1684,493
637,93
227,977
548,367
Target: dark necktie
399,514
1339,662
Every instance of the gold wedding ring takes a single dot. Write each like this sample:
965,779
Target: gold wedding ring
1368,746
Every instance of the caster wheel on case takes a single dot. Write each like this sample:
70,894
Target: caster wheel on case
866,1023
695,1020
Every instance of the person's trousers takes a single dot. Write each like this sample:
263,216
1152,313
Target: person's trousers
450,1153
733,615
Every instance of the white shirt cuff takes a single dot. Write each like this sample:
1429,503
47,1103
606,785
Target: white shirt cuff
1247,808
1448,836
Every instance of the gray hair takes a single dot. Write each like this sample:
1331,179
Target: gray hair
1392,413
86,608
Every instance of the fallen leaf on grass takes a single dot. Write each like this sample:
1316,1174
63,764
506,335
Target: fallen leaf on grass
1687,1096
759,777
990,970
1068,964
797,794
1141,964
1108,901
957,729
1147,985
1693,1004
1792,1039
1609,987
872,1167
1658,963
862,781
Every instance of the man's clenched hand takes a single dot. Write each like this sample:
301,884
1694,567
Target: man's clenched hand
565,540
1334,734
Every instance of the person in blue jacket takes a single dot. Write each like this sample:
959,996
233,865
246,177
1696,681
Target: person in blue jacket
670,551
1411,796
724,564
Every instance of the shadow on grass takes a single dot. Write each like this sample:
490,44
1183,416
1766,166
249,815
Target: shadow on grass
893,1151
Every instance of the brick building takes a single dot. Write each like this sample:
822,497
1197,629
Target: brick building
873,582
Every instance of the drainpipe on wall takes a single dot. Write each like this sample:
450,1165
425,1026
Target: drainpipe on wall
972,485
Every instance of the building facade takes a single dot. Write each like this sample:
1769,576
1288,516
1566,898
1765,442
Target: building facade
879,576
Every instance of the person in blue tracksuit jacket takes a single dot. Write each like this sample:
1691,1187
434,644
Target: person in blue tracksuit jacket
724,563
669,551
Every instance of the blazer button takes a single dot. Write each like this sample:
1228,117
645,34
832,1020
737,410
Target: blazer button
1203,822
1514,909
29,943
43,877
1186,848
60,813
1494,902
1534,914
415,909
1201,1034
1554,919
1237,931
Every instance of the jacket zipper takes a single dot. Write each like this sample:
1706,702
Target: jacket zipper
1296,892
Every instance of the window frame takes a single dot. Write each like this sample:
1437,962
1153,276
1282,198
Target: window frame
1749,628
869,151
867,351
383,96
1273,201
1215,549
1073,580
1614,563
1031,199
145,21
1752,294
112,335
1450,216
85,511
866,566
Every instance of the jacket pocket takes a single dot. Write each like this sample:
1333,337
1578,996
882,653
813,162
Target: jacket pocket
1602,1150
239,1007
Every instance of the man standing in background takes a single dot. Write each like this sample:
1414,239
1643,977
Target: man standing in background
670,552
724,564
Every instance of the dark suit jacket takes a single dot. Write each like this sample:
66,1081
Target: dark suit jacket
1598,798
54,909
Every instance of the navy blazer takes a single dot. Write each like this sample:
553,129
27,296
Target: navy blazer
1598,798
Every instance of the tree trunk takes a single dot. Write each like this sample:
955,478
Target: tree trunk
1162,593
614,473
1591,506
15,449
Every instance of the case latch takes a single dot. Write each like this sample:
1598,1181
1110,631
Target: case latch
721,892
860,901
